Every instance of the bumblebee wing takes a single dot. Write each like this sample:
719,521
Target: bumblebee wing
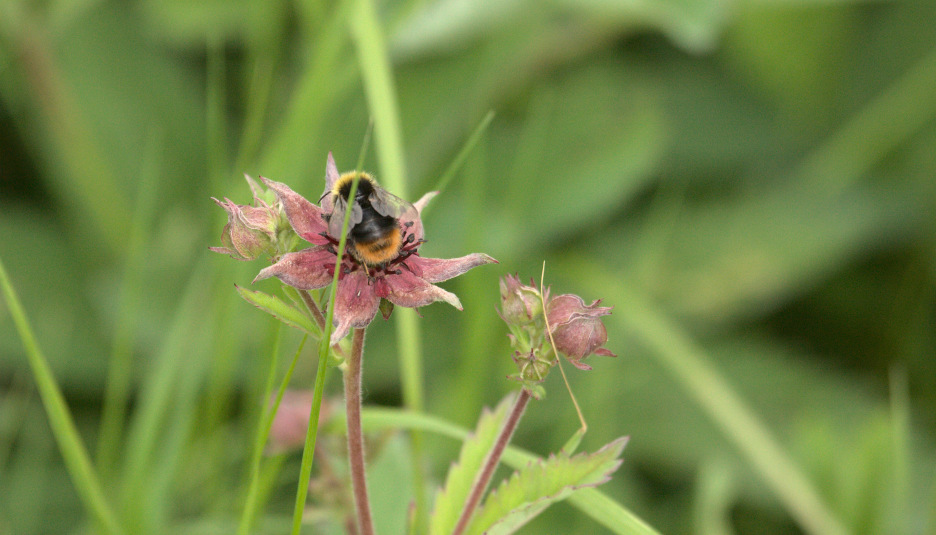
388,204
336,219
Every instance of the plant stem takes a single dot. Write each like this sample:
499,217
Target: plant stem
352,384
490,464
313,308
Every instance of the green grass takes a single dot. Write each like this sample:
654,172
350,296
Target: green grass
749,185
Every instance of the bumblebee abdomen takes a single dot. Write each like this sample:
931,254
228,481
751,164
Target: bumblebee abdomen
379,249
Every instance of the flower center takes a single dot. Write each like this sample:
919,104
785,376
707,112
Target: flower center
409,246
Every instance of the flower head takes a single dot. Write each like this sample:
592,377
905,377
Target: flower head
520,304
252,231
404,278
577,329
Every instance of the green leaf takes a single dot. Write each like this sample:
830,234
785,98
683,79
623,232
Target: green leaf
461,475
286,313
573,443
531,490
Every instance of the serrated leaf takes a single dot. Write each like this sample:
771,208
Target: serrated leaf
451,499
531,490
287,314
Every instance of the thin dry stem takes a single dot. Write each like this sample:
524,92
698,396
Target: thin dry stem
552,344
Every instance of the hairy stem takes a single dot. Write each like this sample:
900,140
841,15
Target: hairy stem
352,384
491,462
313,308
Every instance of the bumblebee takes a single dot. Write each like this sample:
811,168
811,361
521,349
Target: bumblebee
375,235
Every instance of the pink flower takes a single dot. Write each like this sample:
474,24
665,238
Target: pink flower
288,431
251,231
407,279
577,329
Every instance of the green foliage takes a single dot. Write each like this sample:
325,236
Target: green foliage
531,490
288,314
749,185
451,498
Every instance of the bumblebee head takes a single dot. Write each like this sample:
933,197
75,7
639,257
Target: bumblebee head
366,185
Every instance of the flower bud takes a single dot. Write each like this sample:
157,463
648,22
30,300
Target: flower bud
577,329
520,304
252,231
249,233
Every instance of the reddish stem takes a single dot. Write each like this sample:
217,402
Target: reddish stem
491,462
352,384
313,308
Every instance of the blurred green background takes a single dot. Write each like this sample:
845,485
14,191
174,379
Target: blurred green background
752,186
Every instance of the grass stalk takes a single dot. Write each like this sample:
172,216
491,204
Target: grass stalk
77,460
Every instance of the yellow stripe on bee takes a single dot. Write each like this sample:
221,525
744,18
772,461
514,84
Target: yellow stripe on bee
380,251
345,181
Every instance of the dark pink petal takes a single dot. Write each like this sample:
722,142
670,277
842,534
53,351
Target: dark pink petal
576,328
562,308
580,365
442,269
580,337
308,269
408,290
356,304
305,217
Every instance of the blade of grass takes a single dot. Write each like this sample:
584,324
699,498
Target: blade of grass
900,110
216,124
326,77
119,372
223,361
66,434
456,164
901,435
376,72
305,472
160,389
264,425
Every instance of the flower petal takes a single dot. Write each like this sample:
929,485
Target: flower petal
576,328
411,221
331,176
305,217
356,304
408,290
308,269
254,187
441,269
424,200
230,252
